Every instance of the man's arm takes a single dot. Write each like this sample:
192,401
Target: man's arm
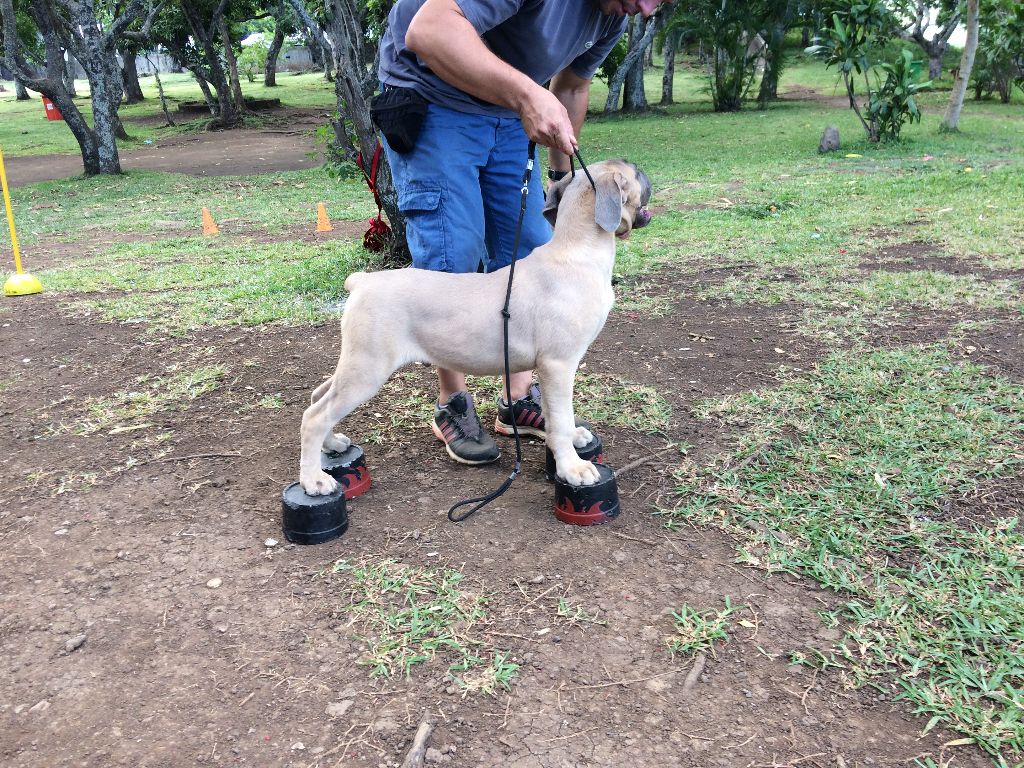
441,35
573,92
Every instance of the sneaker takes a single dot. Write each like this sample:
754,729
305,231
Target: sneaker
458,427
528,415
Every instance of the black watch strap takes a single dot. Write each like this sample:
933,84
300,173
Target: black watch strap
556,175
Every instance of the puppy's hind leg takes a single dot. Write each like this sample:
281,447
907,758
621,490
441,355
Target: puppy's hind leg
333,443
355,382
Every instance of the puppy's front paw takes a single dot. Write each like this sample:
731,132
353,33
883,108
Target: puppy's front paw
318,483
579,472
336,443
582,437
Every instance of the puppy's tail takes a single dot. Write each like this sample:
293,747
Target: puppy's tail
353,280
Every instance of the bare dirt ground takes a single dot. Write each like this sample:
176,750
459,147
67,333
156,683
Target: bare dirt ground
213,153
116,651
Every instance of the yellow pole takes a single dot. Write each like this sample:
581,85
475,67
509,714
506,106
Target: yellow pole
18,284
10,214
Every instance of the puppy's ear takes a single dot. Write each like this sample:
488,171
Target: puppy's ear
553,198
608,207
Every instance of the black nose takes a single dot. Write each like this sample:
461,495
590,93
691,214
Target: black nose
642,218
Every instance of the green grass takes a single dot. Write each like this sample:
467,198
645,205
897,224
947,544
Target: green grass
129,410
845,476
183,284
411,615
697,631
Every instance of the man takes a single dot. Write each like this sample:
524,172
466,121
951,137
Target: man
480,66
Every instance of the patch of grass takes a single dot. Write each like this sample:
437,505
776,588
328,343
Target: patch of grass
188,283
698,631
576,614
613,401
163,205
414,614
128,411
844,476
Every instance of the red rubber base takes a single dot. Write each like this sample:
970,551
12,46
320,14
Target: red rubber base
356,481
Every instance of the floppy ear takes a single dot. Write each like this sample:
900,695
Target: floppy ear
553,198
608,207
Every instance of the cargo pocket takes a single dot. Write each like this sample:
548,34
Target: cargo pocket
421,205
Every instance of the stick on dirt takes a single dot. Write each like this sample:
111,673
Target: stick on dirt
418,751
694,675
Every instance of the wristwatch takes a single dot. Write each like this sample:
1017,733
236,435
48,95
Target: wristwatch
556,175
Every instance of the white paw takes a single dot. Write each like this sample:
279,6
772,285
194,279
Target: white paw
318,483
581,437
336,443
579,472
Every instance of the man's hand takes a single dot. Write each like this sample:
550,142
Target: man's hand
547,122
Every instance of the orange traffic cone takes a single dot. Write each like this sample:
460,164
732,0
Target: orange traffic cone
209,225
323,224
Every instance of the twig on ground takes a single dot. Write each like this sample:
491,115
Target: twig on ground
628,681
186,458
695,672
803,699
417,752
648,542
639,462
570,735
743,743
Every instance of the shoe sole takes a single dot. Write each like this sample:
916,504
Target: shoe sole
439,436
506,429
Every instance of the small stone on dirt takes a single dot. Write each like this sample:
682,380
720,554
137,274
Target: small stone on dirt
74,643
385,727
42,706
538,579
214,583
60,532
270,542
434,755
338,708
298,746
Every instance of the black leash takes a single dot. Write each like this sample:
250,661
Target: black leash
481,501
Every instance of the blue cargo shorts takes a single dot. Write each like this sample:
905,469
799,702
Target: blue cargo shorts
460,191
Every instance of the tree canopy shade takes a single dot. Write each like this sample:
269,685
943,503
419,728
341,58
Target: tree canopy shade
90,31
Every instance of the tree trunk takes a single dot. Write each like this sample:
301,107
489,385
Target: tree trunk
773,63
229,111
130,74
69,74
354,84
637,46
270,71
229,57
20,92
951,121
669,72
634,98
160,92
935,64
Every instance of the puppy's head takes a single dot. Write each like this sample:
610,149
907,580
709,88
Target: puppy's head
620,203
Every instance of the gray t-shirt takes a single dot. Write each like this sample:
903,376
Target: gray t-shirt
540,38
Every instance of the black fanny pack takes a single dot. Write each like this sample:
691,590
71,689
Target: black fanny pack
399,114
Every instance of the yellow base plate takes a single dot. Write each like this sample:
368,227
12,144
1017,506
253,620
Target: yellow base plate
22,285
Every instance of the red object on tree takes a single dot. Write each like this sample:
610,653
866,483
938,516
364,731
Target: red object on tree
52,113
379,233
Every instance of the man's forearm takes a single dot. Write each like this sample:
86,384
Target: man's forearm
574,93
442,36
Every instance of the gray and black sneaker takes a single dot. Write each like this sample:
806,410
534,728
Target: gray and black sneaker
458,427
527,414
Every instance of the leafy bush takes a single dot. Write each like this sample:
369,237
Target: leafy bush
854,43
893,104
252,61
1000,62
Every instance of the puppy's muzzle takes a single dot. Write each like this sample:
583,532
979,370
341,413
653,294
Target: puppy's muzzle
642,218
